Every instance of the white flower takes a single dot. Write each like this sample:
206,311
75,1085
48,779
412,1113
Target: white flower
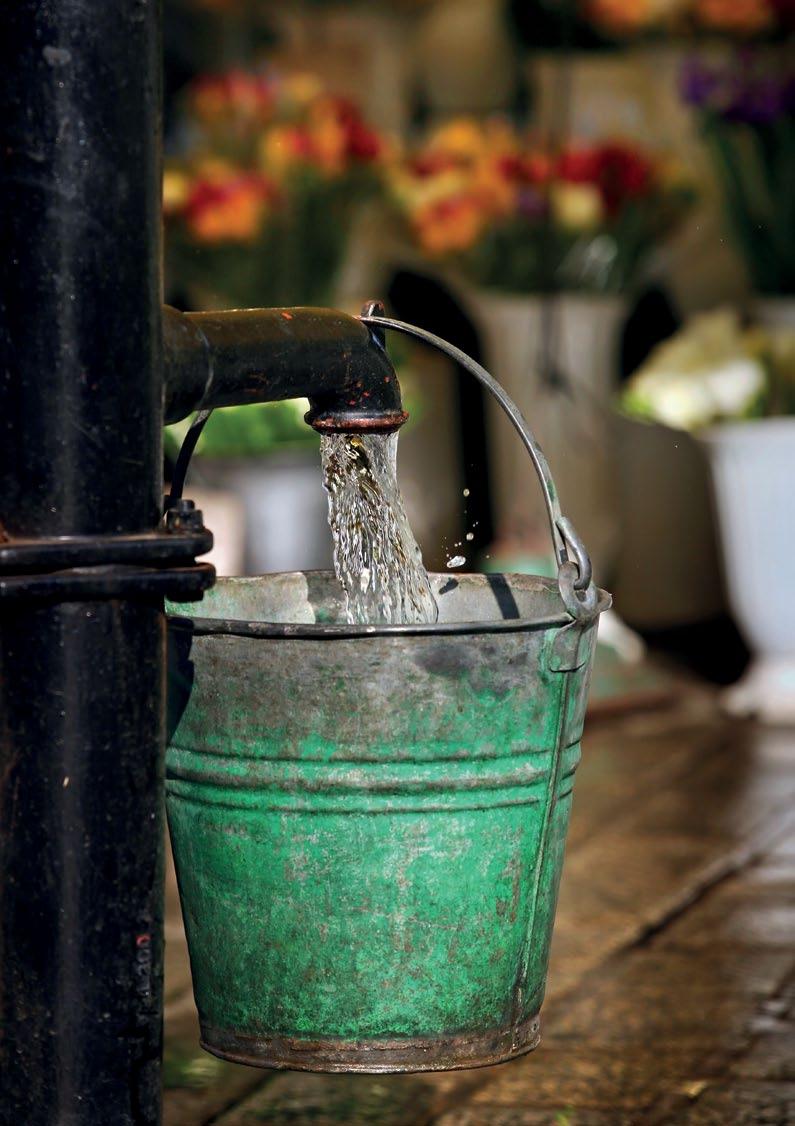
734,386
674,399
703,374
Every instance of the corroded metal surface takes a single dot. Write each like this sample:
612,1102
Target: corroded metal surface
369,828
375,1056
234,356
695,1024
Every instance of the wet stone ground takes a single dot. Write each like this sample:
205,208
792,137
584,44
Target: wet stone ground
672,990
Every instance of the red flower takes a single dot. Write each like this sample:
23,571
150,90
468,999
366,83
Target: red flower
526,168
511,167
619,171
624,174
579,166
361,142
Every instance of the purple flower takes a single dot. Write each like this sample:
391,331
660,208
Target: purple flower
698,82
531,203
748,91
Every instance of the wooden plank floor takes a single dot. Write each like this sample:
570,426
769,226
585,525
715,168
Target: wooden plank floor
672,990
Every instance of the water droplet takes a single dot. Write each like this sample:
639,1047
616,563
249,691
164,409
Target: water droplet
466,492
470,535
456,561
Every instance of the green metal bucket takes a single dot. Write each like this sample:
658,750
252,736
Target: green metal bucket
368,822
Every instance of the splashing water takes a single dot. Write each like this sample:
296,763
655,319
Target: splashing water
376,557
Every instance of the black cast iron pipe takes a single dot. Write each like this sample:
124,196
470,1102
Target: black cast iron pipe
81,680
257,355
82,670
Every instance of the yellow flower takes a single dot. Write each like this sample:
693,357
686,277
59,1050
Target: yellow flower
415,193
577,207
176,186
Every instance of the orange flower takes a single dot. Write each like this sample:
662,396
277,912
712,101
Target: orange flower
495,189
236,95
740,16
620,17
228,210
329,137
449,225
461,139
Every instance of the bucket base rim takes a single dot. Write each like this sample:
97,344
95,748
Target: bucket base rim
374,1057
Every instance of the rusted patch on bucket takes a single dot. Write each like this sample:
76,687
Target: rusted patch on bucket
376,1056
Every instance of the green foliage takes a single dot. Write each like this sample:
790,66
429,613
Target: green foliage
756,167
248,431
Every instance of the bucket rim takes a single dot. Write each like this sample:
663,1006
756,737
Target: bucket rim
328,631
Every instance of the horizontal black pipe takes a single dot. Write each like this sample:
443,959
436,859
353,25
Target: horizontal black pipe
261,355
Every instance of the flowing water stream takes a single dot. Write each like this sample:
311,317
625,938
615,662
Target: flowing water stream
376,557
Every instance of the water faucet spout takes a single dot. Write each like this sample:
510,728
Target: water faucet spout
240,356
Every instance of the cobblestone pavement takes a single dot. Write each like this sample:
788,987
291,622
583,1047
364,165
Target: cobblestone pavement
672,990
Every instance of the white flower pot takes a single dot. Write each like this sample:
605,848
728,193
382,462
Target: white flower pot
286,511
753,469
572,425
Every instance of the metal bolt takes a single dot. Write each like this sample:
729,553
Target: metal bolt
183,515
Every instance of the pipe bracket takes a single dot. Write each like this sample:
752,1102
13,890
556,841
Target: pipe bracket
157,563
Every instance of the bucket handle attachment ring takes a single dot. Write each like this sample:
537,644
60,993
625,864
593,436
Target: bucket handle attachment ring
574,565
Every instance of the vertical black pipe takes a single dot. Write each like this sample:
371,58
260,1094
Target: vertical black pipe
81,684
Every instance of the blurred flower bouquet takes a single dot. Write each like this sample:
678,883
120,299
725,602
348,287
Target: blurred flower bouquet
259,209
747,115
517,218
620,19
715,370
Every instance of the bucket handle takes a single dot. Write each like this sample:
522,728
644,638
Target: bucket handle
574,565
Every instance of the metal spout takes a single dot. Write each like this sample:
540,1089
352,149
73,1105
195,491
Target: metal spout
243,356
